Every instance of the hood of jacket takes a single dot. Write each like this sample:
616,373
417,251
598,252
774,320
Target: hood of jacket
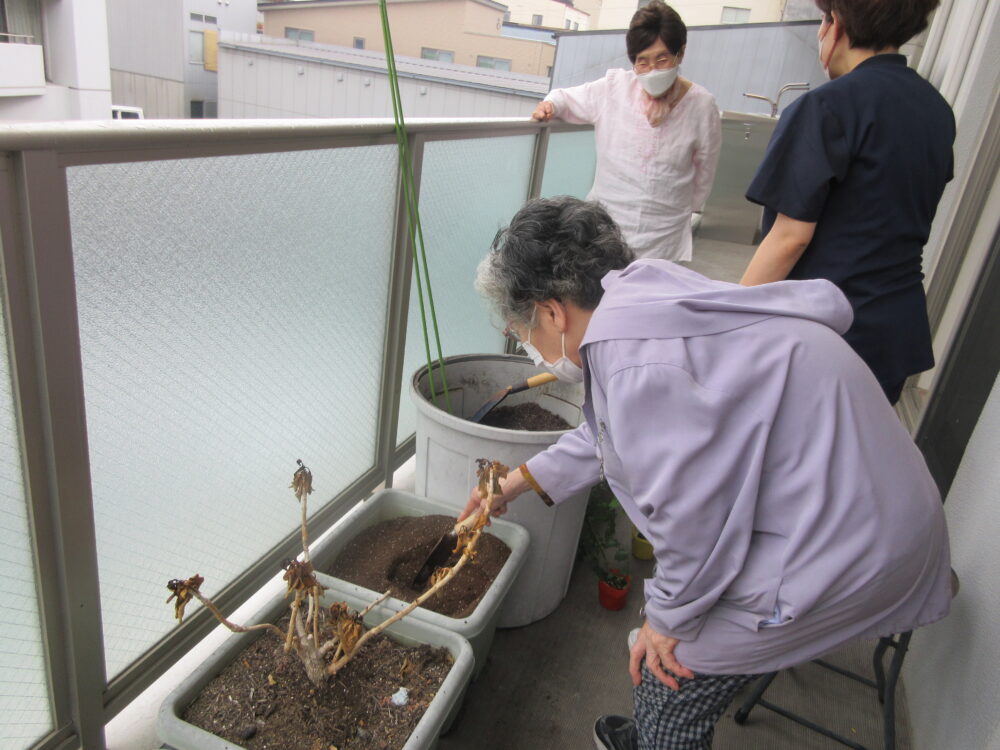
659,299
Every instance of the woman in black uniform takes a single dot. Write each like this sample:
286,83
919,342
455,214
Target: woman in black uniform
852,178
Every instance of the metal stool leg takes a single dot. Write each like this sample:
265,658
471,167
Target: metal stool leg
762,684
878,665
889,706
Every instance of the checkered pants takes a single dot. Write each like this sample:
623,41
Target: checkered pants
683,719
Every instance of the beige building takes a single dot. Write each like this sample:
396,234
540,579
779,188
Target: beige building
616,14
465,32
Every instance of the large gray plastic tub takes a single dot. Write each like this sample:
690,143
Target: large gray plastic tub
176,733
478,628
447,446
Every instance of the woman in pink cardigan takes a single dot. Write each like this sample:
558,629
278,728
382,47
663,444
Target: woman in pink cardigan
657,136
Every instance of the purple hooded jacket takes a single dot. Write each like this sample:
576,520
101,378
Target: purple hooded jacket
788,509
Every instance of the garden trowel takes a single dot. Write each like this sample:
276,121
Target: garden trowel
496,398
443,550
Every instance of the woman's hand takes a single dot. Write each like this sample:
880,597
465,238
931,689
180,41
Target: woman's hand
512,485
544,112
658,651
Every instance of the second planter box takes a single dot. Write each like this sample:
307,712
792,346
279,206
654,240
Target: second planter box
479,627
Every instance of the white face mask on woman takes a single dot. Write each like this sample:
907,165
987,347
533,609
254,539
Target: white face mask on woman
821,35
563,368
657,82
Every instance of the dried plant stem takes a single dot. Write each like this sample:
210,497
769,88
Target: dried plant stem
375,603
210,605
339,664
304,525
292,623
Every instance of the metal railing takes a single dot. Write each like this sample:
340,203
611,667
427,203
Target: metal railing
17,38
40,294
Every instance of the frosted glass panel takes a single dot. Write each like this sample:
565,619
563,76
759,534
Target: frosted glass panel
569,164
232,315
24,698
468,190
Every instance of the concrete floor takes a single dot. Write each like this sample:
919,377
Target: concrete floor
545,684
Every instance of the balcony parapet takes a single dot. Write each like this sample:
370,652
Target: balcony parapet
22,67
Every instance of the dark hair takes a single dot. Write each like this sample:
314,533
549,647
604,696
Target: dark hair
877,24
555,248
657,20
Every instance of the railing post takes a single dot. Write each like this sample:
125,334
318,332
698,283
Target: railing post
397,310
48,390
538,163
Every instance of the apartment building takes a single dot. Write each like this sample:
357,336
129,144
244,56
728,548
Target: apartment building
54,61
464,32
164,53
616,14
554,14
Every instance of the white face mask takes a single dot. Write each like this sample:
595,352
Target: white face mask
563,368
657,82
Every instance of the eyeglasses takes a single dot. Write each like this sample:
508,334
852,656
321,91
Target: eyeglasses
511,334
661,63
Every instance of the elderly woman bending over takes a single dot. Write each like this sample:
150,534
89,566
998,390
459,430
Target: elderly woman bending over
788,509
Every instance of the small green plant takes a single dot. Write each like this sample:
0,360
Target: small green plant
599,545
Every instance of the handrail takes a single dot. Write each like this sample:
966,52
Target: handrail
13,37
108,135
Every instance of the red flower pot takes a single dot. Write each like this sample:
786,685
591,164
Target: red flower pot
611,597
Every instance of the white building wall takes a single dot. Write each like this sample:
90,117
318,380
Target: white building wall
75,42
146,48
554,14
616,14
951,670
201,84
158,97
255,85
727,60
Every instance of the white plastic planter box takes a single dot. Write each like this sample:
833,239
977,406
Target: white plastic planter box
479,627
176,733
448,445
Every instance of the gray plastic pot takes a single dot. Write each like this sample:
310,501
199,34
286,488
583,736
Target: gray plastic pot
447,446
176,733
479,627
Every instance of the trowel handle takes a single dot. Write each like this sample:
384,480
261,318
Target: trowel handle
533,381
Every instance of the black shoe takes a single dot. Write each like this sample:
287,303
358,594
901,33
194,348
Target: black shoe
615,733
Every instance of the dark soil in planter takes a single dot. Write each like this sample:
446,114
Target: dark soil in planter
528,416
388,555
264,701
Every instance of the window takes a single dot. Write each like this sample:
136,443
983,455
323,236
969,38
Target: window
197,17
441,55
494,63
211,19
299,35
536,20
197,109
506,17
196,47
567,23
359,43
576,26
735,15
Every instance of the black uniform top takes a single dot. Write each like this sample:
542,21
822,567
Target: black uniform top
866,157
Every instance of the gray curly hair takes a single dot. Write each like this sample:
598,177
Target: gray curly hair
555,248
